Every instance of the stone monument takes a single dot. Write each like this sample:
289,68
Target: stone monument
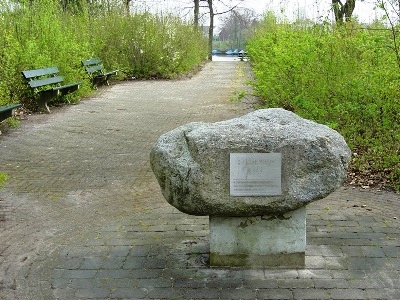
253,176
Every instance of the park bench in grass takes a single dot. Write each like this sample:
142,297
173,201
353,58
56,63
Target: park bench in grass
48,84
7,111
95,69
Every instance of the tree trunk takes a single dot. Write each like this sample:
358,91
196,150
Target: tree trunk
343,12
348,9
211,29
127,6
196,13
337,9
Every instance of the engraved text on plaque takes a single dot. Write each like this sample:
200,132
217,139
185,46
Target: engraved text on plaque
255,174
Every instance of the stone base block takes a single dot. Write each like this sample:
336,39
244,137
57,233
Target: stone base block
263,241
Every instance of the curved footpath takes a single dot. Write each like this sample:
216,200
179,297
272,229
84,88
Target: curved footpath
82,216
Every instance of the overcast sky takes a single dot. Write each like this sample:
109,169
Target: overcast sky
289,9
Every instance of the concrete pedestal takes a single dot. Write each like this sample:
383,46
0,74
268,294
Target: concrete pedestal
263,241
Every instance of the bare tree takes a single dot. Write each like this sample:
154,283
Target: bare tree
391,9
127,2
236,27
211,28
196,13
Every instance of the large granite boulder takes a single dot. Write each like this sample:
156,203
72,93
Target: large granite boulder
192,163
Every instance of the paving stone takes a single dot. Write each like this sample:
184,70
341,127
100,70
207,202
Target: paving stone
349,274
189,283
303,283
260,284
166,293
224,283
237,293
152,283
366,283
129,293
391,251
330,283
202,293
348,294
59,283
73,264
114,273
135,262
92,263
311,294
336,263
92,293
315,262
79,274
153,262
367,263
144,273
277,274
85,283
120,251
313,273
393,293
372,293
82,216
269,294
113,262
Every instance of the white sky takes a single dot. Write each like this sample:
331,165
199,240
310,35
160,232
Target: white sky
290,9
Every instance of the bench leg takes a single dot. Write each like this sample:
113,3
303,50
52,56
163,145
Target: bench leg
100,80
42,101
106,80
42,107
5,115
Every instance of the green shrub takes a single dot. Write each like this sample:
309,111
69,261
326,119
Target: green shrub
3,179
342,77
37,34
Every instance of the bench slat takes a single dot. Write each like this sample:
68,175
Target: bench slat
91,61
77,84
111,73
7,111
50,85
40,72
45,81
94,68
9,107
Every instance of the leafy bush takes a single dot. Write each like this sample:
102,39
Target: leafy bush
342,77
3,179
38,34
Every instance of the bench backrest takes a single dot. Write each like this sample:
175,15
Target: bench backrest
93,65
42,77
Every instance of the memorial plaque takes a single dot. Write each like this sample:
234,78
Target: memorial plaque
255,174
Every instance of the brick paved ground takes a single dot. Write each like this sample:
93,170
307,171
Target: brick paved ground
82,217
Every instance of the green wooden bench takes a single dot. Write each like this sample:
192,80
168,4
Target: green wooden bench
243,55
95,69
7,111
48,83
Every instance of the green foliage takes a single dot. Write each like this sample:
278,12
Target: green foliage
342,77
152,46
36,34
13,122
3,179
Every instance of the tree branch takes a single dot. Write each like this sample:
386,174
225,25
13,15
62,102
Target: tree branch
229,10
